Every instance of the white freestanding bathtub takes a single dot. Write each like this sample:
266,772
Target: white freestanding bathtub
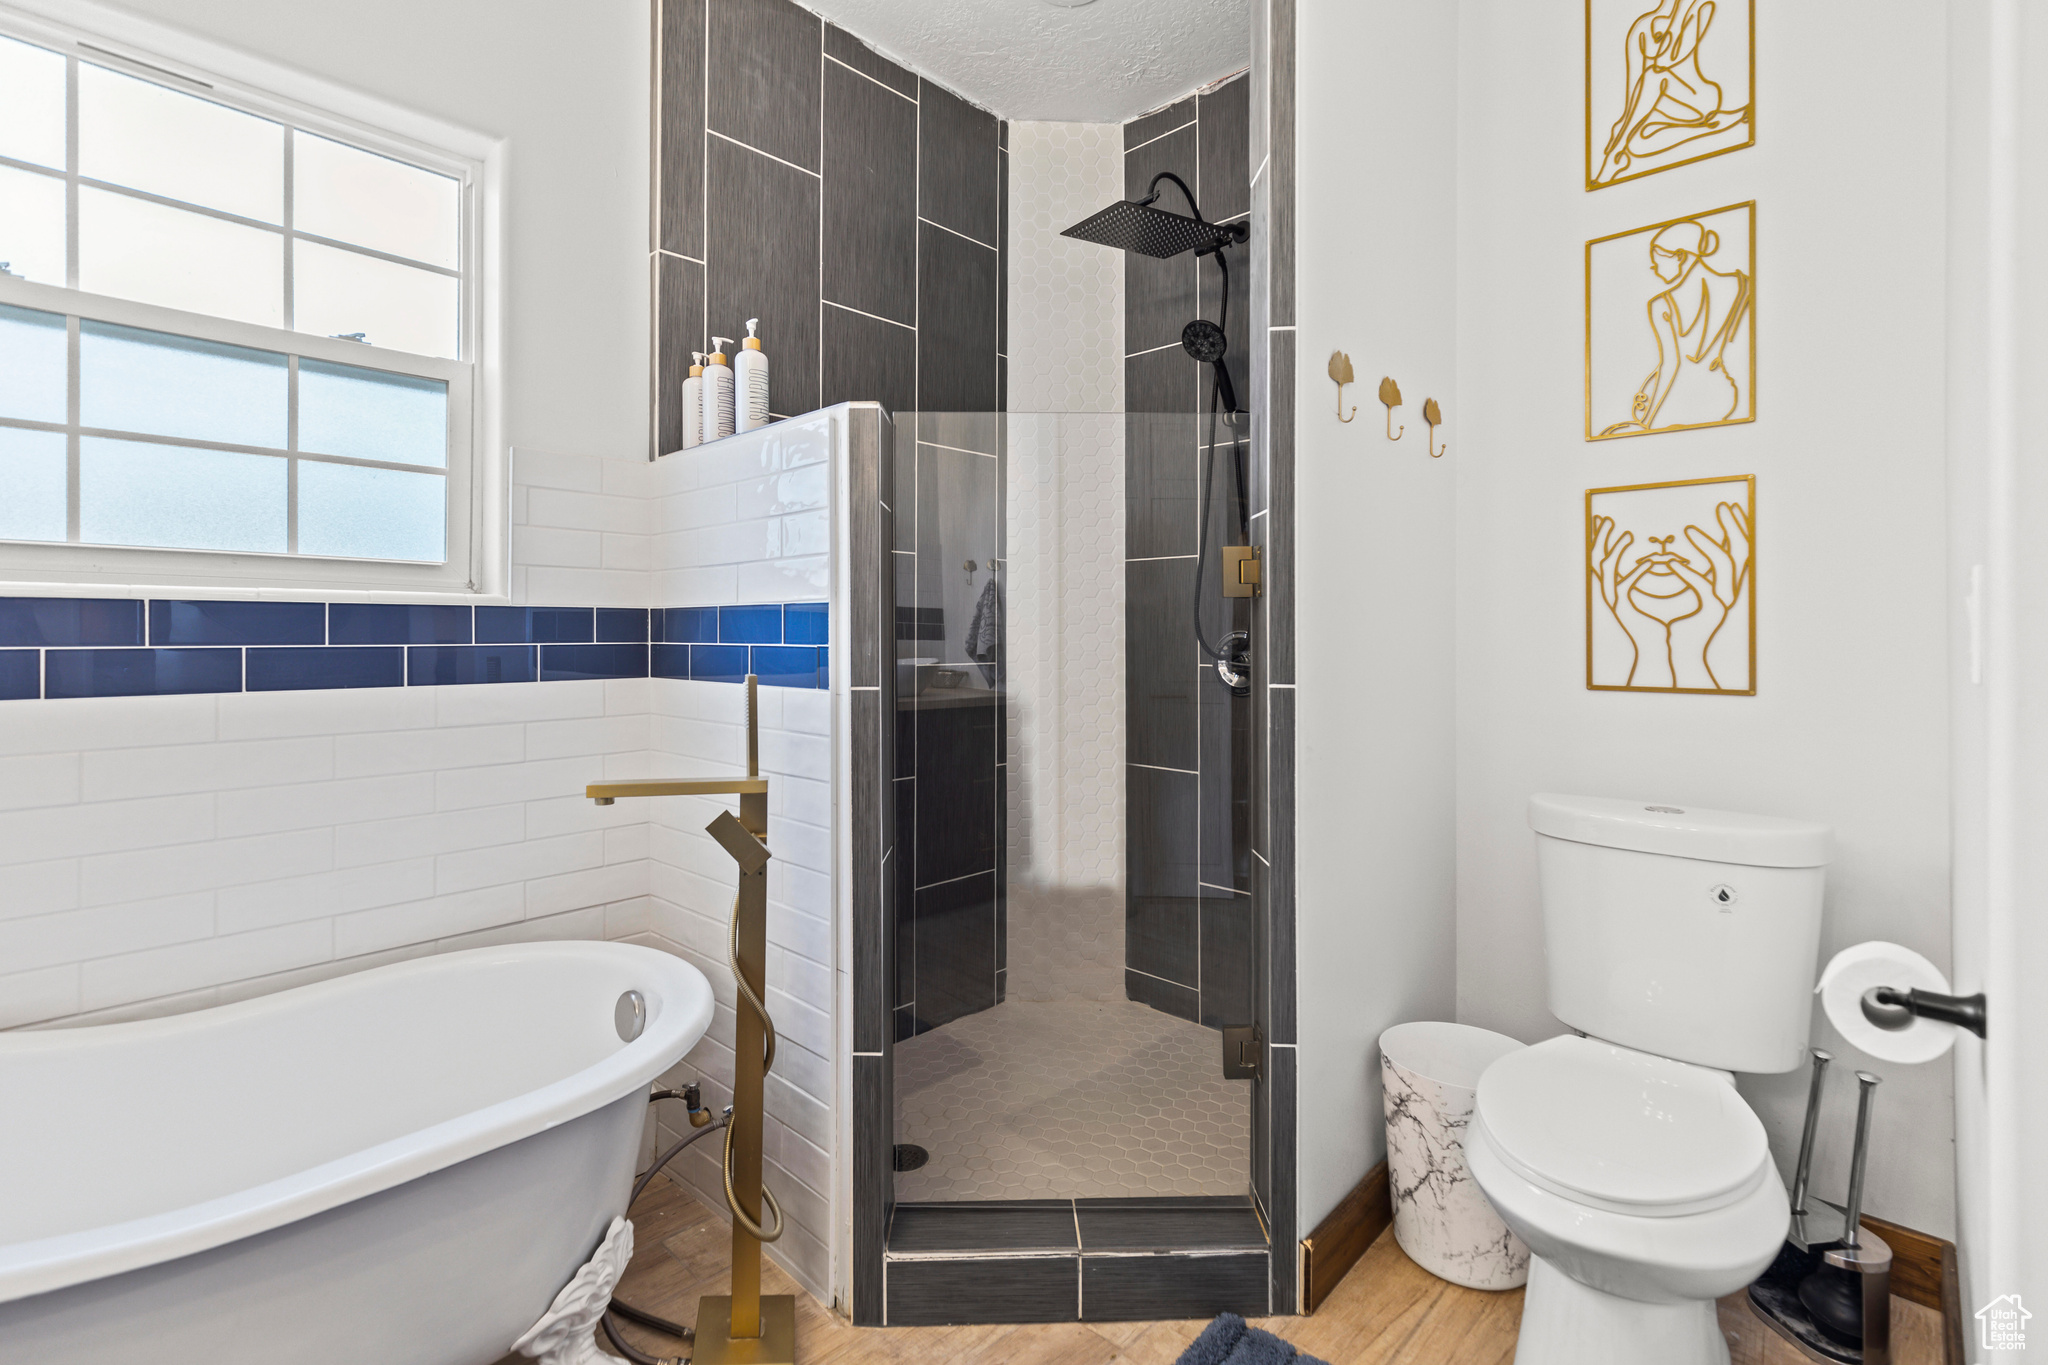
399,1167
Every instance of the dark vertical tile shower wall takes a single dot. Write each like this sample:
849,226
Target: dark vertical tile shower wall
857,210
1189,932
1272,351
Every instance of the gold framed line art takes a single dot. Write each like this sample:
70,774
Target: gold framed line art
1671,325
1668,83
1671,587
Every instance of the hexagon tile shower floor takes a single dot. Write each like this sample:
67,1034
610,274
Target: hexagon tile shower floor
1080,1099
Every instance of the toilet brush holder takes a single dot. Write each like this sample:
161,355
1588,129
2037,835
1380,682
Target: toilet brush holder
1830,1295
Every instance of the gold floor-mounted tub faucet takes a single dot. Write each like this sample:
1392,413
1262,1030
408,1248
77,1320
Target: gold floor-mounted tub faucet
744,1326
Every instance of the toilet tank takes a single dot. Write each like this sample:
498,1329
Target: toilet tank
1692,934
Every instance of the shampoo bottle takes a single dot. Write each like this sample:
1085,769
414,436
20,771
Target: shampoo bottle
717,392
750,376
693,402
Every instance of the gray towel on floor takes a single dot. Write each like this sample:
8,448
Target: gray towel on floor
1228,1341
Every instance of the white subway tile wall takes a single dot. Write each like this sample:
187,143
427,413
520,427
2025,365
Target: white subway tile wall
171,870
745,521
161,854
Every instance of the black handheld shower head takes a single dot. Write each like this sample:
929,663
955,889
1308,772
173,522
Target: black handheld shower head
1205,341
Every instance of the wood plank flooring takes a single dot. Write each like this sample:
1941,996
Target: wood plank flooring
1387,1311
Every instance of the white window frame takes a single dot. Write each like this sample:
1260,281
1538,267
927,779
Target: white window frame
478,464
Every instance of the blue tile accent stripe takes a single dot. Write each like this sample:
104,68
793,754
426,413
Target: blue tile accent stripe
304,668
238,623
39,621
74,647
21,674
381,623
141,672
533,625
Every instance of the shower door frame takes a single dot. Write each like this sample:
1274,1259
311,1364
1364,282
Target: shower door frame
1274,1138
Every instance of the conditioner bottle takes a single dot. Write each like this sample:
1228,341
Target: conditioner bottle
717,392
750,377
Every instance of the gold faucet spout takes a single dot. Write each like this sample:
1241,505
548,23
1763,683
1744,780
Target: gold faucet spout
604,793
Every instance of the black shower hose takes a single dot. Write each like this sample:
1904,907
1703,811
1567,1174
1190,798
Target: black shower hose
620,1306
1209,470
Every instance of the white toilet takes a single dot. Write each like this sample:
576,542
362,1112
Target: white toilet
1682,944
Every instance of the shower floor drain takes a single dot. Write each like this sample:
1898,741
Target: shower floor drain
910,1156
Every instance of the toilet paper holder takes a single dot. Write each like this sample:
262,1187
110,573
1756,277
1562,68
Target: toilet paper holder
1892,1009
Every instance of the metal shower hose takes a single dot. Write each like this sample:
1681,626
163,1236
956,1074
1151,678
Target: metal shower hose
732,955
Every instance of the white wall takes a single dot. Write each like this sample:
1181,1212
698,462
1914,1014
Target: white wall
1376,558
1064,616
1850,722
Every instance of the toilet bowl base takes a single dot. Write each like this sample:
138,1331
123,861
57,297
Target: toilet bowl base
1565,1322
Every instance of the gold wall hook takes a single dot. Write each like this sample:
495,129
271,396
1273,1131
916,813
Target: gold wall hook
1390,394
1340,370
1433,415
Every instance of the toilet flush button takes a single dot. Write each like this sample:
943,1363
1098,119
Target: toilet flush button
1724,896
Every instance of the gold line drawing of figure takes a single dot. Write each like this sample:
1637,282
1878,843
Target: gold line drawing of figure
1668,102
1696,320
1687,617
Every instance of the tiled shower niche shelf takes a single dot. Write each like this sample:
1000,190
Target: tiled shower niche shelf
1075,1260
72,647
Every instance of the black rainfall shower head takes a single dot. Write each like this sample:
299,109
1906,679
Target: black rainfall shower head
1131,226
1134,225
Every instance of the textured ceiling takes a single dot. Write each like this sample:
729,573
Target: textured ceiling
1103,62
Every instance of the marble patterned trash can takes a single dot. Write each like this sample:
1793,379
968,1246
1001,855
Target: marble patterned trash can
1430,1072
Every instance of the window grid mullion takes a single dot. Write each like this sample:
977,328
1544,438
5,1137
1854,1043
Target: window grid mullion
71,173
290,301
71,424
291,418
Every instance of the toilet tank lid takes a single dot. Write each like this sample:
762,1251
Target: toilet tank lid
1720,836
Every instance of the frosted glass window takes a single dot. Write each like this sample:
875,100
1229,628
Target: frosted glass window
136,493
139,134
32,225
32,473
372,415
335,293
361,513
134,249
356,196
33,365
196,241
31,104
132,380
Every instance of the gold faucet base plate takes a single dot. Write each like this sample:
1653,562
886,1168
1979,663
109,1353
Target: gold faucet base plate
775,1346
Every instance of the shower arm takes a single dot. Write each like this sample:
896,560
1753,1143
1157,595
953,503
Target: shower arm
1239,232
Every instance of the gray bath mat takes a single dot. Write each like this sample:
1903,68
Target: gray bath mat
1228,1341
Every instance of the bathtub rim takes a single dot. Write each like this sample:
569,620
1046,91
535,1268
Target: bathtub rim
70,1258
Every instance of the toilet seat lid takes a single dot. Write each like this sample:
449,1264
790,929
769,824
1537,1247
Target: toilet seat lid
1622,1130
